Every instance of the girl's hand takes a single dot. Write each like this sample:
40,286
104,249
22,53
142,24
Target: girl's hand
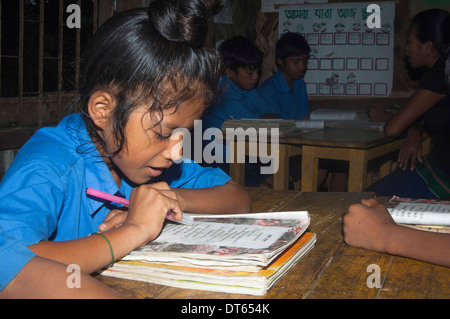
368,225
149,205
114,219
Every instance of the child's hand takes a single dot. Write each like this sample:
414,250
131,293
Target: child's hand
367,225
149,205
114,219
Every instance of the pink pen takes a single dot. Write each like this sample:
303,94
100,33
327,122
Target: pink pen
187,220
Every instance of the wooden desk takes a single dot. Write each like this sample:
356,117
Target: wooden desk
356,146
280,177
331,269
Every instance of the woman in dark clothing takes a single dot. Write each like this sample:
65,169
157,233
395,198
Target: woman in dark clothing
427,110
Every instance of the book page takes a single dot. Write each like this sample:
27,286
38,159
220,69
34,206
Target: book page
220,234
420,213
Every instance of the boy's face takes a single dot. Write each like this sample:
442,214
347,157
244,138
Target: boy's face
294,67
245,78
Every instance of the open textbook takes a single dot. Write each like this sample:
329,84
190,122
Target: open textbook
425,212
241,253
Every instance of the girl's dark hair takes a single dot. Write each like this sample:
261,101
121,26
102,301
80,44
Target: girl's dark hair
433,25
239,52
291,44
154,56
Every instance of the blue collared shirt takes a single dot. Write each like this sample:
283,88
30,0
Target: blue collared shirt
235,103
42,195
289,105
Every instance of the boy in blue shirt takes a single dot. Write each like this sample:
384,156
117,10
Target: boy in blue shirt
240,99
286,89
242,61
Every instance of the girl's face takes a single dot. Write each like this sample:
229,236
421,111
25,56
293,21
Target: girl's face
148,150
415,50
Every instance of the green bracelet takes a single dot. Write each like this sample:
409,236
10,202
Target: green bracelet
109,244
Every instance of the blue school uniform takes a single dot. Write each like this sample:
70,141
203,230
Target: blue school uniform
42,195
288,105
235,103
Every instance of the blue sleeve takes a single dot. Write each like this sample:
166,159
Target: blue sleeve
213,118
270,95
189,174
28,214
261,105
14,255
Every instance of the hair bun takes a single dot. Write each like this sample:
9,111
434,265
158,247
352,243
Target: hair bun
182,21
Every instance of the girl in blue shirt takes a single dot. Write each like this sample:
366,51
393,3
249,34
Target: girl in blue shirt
142,79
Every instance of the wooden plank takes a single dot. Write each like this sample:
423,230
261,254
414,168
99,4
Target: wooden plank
345,279
281,176
310,169
325,210
14,139
410,279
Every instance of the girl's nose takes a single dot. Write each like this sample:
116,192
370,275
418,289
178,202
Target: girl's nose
174,149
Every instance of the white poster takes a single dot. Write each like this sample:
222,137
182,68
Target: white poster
273,5
351,49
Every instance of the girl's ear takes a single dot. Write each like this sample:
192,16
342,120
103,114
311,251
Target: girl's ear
100,106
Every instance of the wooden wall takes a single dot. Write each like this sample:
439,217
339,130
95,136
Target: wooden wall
261,28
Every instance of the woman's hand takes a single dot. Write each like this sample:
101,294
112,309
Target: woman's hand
411,150
378,114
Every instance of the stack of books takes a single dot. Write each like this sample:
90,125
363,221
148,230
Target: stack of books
240,253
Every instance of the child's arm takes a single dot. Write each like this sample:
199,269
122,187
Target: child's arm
369,225
142,223
230,198
44,278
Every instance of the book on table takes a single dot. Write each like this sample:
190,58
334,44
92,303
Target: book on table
339,114
425,214
238,253
281,126
335,118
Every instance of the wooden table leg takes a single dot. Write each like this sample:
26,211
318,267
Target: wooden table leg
281,176
310,168
237,169
357,171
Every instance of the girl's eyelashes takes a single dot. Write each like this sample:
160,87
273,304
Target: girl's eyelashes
162,137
